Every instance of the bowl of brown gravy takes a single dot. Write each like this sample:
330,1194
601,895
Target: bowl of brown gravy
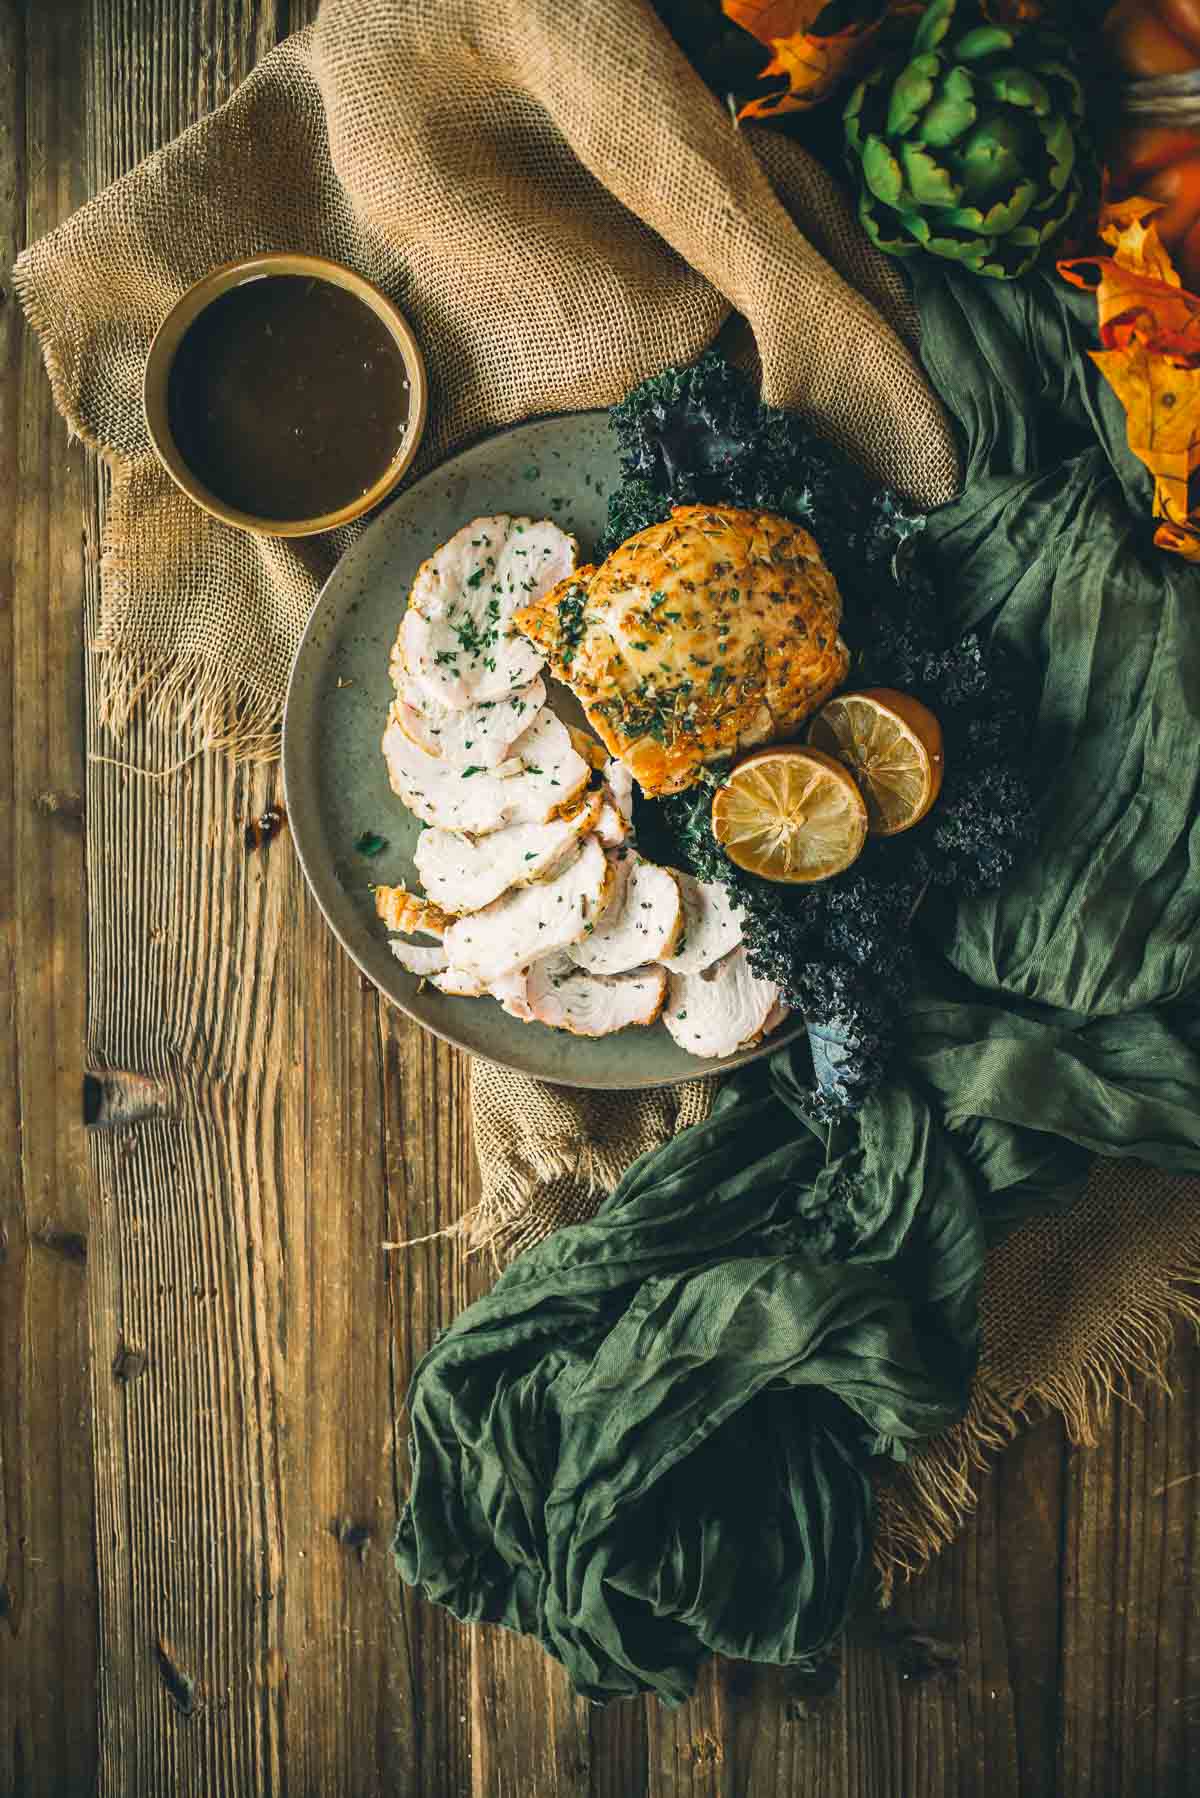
285,394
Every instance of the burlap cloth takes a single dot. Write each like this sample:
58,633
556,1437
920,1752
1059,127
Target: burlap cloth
562,208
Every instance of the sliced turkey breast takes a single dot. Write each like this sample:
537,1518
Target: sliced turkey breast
421,959
619,782
568,997
711,926
721,1010
456,637
535,920
511,992
463,873
642,923
481,736
458,984
615,825
431,965
611,827
542,776
408,913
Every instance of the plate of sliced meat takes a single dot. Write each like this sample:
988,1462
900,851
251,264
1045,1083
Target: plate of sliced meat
470,840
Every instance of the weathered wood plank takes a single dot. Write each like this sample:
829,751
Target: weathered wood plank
430,1182
529,1732
249,1457
688,1747
620,1750
1131,1622
47,1574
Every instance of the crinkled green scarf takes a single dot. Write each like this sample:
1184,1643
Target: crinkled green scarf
652,1440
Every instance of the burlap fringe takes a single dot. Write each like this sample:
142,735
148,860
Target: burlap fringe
922,1506
186,693
507,1221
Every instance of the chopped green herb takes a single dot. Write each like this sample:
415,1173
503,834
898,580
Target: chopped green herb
570,622
370,843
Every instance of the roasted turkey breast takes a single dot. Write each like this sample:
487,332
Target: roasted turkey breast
706,634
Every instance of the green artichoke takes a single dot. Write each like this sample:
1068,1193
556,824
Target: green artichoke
969,147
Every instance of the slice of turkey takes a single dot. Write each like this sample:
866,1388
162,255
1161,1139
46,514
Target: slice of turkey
619,782
458,984
512,993
481,736
534,921
711,927
611,827
568,997
456,637
431,964
722,1009
542,776
408,913
423,959
641,925
463,874
615,825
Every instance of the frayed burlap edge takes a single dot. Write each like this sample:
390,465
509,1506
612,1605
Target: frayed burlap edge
549,1155
923,1505
186,693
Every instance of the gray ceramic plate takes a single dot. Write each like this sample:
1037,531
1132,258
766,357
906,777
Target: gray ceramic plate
335,782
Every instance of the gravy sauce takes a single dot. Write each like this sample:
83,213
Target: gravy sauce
288,397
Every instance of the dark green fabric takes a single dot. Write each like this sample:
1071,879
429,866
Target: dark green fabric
653,1438
1053,530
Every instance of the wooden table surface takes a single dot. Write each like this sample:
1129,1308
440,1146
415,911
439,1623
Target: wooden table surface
203,1349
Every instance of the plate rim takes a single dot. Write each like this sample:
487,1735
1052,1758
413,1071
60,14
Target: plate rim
322,881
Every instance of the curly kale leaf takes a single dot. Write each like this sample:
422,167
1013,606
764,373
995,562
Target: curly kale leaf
701,434
688,430
634,506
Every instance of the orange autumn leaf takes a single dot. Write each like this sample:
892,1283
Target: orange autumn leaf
1138,247
770,19
1150,357
814,65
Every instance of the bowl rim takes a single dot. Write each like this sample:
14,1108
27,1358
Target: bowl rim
196,300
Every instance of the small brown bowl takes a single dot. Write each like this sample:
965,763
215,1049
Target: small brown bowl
184,314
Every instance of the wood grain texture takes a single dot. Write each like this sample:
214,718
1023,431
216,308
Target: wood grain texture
1131,1620
278,1129
47,1572
204,1347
